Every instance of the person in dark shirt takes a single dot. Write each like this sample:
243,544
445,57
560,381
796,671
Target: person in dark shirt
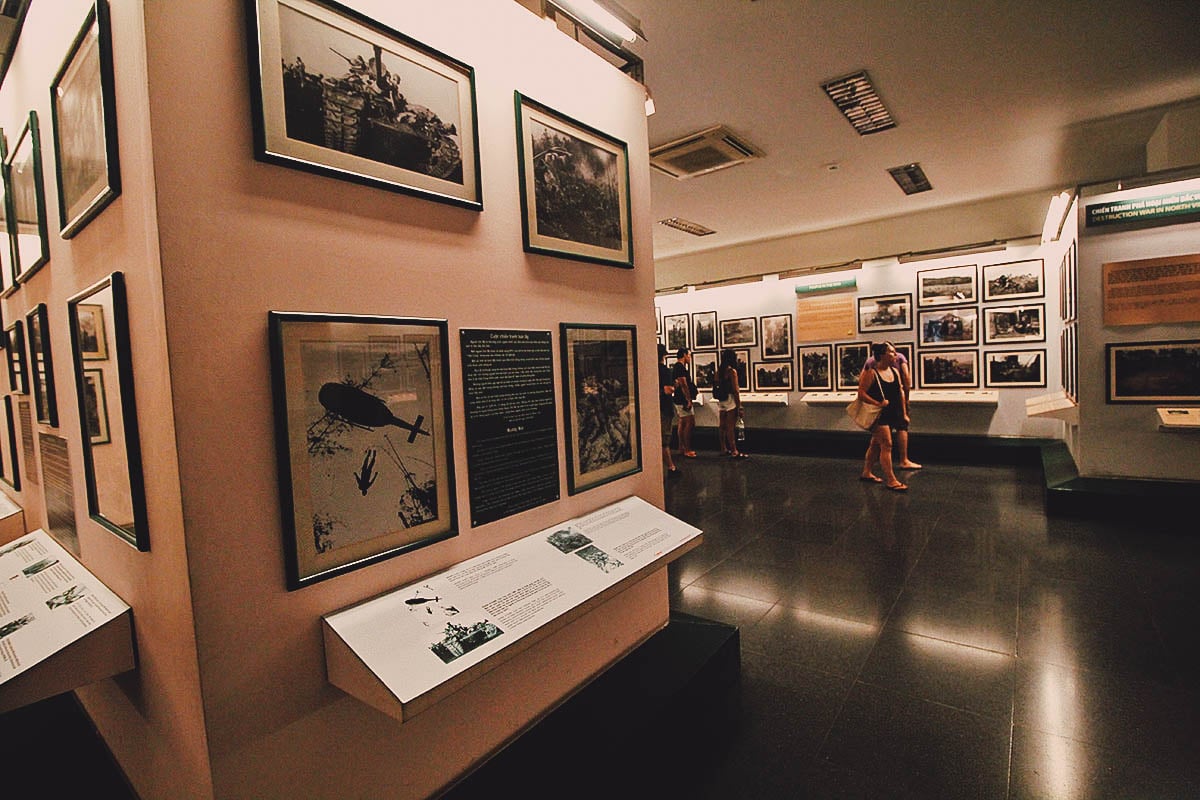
666,410
685,401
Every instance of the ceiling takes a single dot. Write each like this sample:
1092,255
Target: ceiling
993,97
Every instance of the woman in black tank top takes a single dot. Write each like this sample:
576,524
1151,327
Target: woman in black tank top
881,387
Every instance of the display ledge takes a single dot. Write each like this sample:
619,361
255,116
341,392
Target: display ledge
985,397
12,520
1178,419
406,650
60,627
760,398
1055,405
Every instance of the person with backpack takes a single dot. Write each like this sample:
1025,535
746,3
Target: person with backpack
729,403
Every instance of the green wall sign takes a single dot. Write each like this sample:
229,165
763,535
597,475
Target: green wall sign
1143,209
848,285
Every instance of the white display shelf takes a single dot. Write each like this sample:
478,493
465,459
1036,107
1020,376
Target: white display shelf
407,650
1055,405
760,398
1179,419
915,397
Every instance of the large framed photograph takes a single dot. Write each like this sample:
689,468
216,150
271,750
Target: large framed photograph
340,94
1015,280
41,365
1014,368
1003,324
705,367
675,331
1153,372
574,184
7,265
851,358
949,369
93,339
891,312
741,332
599,364
363,436
27,193
947,286
95,407
949,327
14,345
704,330
776,336
83,107
813,363
773,376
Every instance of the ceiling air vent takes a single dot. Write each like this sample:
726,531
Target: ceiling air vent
858,101
911,178
694,228
701,153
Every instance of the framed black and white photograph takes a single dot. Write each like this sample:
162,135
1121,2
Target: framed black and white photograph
1070,361
776,336
675,331
741,332
949,327
742,368
574,183
813,363
41,365
83,106
773,376
27,196
603,430
14,345
1153,372
1014,368
95,407
949,369
93,338
340,94
704,367
1015,280
947,286
363,436
12,464
891,312
1004,324
7,267
658,320
704,330
850,358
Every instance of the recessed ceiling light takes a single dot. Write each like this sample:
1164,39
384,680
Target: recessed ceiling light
911,178
858,101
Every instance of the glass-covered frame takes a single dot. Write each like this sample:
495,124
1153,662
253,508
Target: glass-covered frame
41,365
27,203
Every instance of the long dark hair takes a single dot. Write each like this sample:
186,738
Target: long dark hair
728,359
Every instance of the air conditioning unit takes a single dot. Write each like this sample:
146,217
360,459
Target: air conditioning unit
702,152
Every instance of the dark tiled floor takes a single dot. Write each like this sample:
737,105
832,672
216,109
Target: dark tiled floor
952,642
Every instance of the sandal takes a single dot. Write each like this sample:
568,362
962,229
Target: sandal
690,454
870,478
740,455
897,487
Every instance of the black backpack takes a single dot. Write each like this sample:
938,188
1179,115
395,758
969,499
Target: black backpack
721,390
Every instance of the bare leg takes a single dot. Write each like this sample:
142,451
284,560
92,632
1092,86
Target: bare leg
686,426
883,434
869,460
902,452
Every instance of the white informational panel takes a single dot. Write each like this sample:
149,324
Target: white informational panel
422,637
1179,419
48,603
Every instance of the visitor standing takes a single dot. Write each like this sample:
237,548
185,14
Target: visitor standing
685,400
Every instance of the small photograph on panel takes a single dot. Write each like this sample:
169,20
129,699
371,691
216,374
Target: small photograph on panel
599,559
568,540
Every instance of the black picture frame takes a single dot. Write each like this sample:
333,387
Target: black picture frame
814,367
574,184
948,286
8,269
948,327
1014,280
116,490
600,403
96,407
41,365
27,203
310,56
849,360
704,330
949,369
1013,324
676,332
12,471
776,336
1010,369
704,369
84,112
773,376
742,368
739,332
365,398
1152,372
14,345
885,312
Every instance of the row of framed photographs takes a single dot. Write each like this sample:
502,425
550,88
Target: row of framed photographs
87,170
701,330
952,286
340,94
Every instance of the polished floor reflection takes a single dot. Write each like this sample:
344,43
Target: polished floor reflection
951,642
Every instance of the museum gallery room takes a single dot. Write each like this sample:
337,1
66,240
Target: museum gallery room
915,288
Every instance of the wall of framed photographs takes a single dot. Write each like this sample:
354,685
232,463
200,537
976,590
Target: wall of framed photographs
213,221
975,323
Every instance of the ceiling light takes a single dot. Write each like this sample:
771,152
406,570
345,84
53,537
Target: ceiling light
911,178
694,228
856,98
603,16
1056,216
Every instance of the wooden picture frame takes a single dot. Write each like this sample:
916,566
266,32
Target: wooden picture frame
1152,372
850,358
1010,369
776,338
337,93
888,312
41,365
363,438
93,336
814,367
600,404
1014,280
84,112
27,203
949,327
95,407
949,369
574,182
947,286
740,332
1010,324
676,332
773,376
704,330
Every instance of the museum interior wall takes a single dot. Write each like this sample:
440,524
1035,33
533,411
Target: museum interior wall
231,698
